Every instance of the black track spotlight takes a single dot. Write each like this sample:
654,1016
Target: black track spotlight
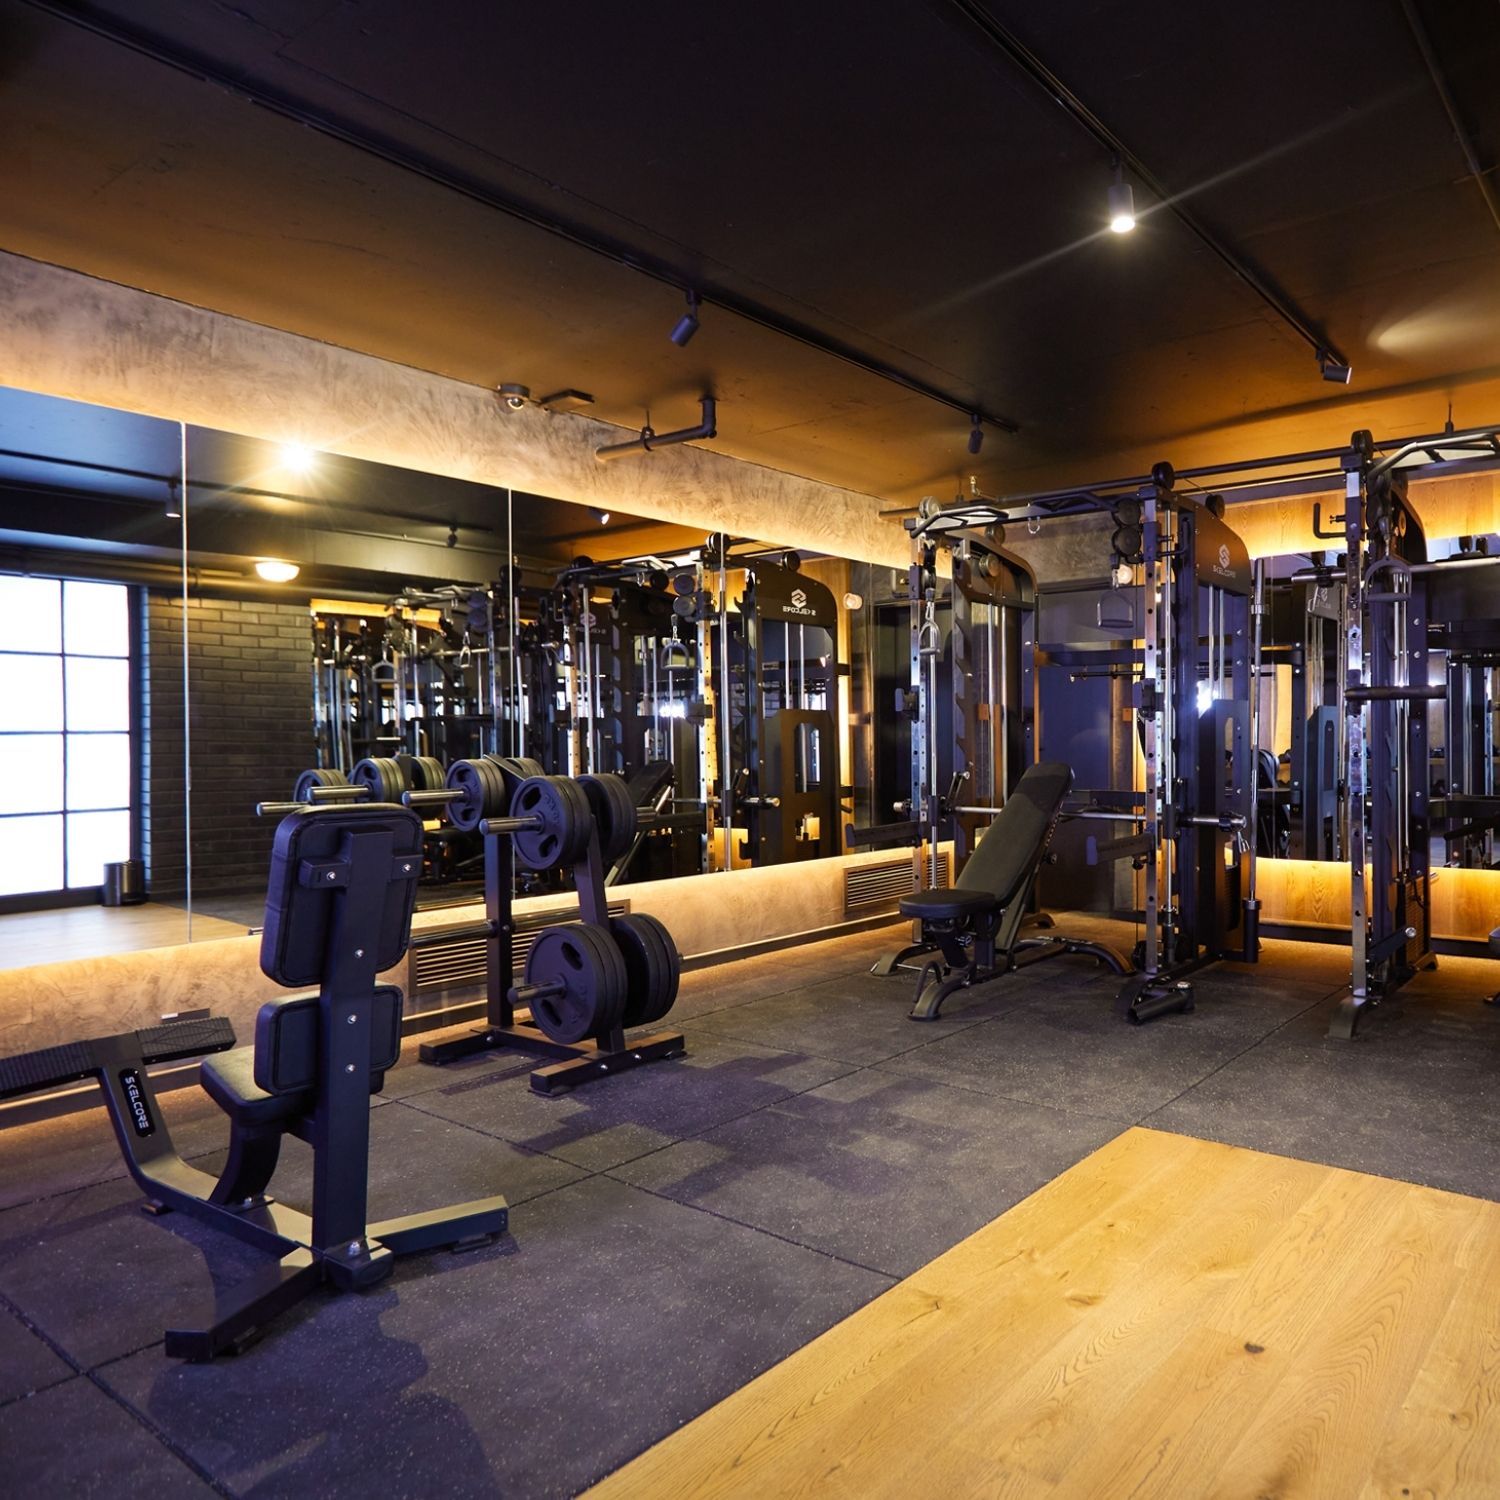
1333,371
174,501
976,433
687,324
601,516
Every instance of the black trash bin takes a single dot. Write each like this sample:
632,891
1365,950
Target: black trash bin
124,883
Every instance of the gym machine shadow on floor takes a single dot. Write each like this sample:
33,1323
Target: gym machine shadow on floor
972,933
342,888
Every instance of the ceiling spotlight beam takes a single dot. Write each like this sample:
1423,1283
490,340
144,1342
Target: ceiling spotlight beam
207,69
979,18
1450,106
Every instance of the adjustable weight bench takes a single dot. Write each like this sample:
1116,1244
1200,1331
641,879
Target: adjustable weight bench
971,932
338,911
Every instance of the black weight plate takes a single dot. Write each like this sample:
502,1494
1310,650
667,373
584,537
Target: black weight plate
516,769
647,968
318,776
467,777
666,994
496,789
614,812
424,773
565,820
382,776
587,965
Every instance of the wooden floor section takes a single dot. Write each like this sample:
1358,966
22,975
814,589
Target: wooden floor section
69,932
1170,1318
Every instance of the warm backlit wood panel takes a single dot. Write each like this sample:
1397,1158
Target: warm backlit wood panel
1169,1318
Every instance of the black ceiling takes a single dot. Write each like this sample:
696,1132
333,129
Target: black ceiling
879,173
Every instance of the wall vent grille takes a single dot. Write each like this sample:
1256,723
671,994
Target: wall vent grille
460,963
871,888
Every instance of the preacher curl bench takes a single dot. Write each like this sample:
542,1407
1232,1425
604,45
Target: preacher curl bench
338,911
972,931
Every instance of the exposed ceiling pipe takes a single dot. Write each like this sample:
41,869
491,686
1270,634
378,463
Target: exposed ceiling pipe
208,70
976,14
1450,105
649,441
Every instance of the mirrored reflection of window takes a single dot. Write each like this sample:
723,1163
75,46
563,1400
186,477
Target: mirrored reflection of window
66,753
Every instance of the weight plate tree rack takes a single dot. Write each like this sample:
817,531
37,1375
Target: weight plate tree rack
578,994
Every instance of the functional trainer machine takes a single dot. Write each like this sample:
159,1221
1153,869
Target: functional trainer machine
338,911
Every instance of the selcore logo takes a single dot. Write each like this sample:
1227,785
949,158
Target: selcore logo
135,1102
799,597
798,604
1223,556
1224,569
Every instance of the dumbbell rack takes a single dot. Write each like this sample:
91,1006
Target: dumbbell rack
508,1023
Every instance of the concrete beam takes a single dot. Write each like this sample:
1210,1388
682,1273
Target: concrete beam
72,335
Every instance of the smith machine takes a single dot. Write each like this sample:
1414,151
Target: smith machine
1391,593
1179,609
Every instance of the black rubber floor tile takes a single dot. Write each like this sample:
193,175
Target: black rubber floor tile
420,1161
76,1150
1423,1014
101,1278
859,1019
1420,1113
613,1119
723,986
1070,1051
74,1441
884,1171
613,1318
27,1364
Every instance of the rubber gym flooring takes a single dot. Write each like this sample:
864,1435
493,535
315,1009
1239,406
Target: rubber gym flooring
679,1230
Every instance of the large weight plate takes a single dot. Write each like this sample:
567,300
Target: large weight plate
653,967
482,790
382,777
318,776
423,773
564,821
614,811
586,963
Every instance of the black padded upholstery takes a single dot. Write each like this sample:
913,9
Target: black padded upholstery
299,914
951,905
1012,844
276,1079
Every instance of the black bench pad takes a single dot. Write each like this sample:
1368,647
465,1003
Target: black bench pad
951,905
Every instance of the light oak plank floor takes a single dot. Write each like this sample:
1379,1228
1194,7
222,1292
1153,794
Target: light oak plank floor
1170,1318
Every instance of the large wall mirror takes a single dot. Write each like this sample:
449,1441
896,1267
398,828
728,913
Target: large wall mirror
196,622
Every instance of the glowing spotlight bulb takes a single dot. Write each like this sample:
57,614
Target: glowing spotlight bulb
298,458
1121,203
273,570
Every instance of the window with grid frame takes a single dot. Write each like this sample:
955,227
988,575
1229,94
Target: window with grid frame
66,683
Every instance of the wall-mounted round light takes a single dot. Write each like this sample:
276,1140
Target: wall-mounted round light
273,570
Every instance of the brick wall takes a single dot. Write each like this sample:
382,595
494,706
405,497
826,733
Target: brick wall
250,699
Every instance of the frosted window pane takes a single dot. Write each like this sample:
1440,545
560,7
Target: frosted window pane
30,614
93,839
98,694
31,854
98,770
31,692
96,619
31,777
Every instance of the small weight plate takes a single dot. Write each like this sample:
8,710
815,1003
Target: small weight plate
614,811
516,769
564,821
426,774
586,965
467,777
318,776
